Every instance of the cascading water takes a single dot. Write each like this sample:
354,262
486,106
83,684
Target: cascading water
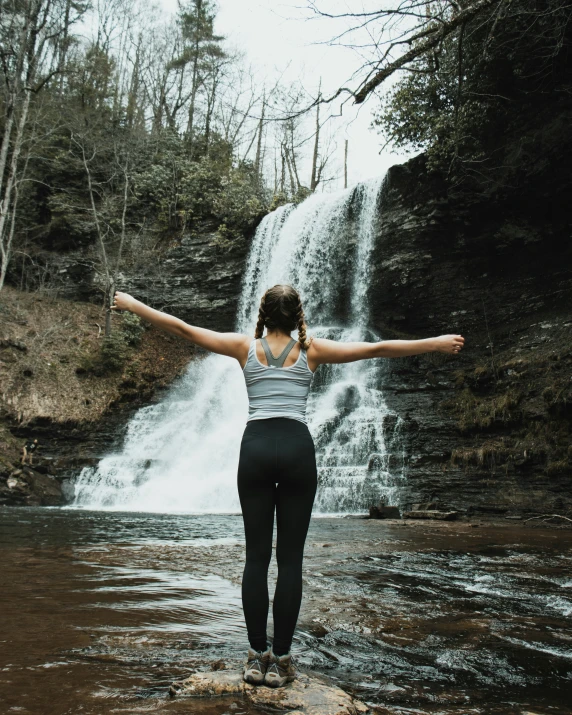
182,454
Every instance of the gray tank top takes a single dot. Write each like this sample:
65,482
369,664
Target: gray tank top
275,391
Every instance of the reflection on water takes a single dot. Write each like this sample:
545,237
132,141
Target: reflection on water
102,610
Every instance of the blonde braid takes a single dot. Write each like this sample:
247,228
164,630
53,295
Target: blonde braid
301,326
261,318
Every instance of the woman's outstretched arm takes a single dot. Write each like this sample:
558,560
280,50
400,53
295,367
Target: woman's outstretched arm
332,351
231,344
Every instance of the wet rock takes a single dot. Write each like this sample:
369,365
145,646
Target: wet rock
424,506
14,483
384,512
28,487
489,426
307,695
431,514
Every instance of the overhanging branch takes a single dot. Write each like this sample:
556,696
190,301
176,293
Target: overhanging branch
431,41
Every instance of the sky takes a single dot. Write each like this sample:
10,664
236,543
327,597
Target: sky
279,39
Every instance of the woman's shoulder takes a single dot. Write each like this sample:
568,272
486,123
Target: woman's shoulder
315,345
312,353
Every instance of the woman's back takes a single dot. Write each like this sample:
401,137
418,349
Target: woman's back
277,391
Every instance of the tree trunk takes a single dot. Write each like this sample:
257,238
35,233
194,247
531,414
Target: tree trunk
5,243
194,83
109,282
293,187
293,157
210,108
13,98
313,180
259,143
64,44
133,88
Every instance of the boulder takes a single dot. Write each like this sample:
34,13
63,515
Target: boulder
307,695
384,512
424,506
27,487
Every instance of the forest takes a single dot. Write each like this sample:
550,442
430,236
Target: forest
122,130
124,127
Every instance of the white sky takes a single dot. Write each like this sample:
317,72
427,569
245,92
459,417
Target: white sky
277,39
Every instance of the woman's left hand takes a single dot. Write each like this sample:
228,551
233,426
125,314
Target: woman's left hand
122,301
449,343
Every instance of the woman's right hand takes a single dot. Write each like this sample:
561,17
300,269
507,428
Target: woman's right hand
122,301
449,343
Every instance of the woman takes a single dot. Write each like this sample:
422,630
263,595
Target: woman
277,463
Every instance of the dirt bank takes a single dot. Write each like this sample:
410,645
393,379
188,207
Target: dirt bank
58,386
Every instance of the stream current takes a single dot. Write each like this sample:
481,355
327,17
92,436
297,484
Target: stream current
101,611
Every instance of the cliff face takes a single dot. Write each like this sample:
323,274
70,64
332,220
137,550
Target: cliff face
46,343
488,429
197,279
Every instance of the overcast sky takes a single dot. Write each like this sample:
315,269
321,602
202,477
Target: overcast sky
278,39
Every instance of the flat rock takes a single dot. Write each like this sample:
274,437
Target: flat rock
431,514
307,695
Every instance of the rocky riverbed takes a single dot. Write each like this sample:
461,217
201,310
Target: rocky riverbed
104,611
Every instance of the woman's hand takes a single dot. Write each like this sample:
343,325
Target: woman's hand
122,301
449,343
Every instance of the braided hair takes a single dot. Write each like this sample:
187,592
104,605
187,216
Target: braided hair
281,307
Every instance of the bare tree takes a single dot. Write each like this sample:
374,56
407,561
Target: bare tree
400,34
314,180
29,54
395,37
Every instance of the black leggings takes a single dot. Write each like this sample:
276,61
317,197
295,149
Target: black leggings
276,469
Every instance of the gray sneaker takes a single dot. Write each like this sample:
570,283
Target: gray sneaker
255,666
280,670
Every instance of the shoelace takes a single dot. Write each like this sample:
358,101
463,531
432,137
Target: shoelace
255,662
277,668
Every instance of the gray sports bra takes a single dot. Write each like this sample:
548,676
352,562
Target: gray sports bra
276,391
277,361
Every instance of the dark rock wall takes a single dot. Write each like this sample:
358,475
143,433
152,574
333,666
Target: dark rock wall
488,429
197,280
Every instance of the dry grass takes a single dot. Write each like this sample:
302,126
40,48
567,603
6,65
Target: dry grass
487,454
46,341
475,412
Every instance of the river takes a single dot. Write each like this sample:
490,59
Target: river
103,610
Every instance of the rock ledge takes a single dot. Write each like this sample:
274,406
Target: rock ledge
307,695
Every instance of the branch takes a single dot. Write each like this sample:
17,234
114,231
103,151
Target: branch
436,36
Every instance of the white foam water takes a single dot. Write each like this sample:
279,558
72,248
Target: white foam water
182,454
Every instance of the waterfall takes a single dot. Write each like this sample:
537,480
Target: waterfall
182,454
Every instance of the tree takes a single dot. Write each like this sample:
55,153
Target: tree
201,47
461,69
30,31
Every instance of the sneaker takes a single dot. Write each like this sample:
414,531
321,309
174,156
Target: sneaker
280,670
255,666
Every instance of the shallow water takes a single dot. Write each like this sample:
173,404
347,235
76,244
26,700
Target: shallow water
103,610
